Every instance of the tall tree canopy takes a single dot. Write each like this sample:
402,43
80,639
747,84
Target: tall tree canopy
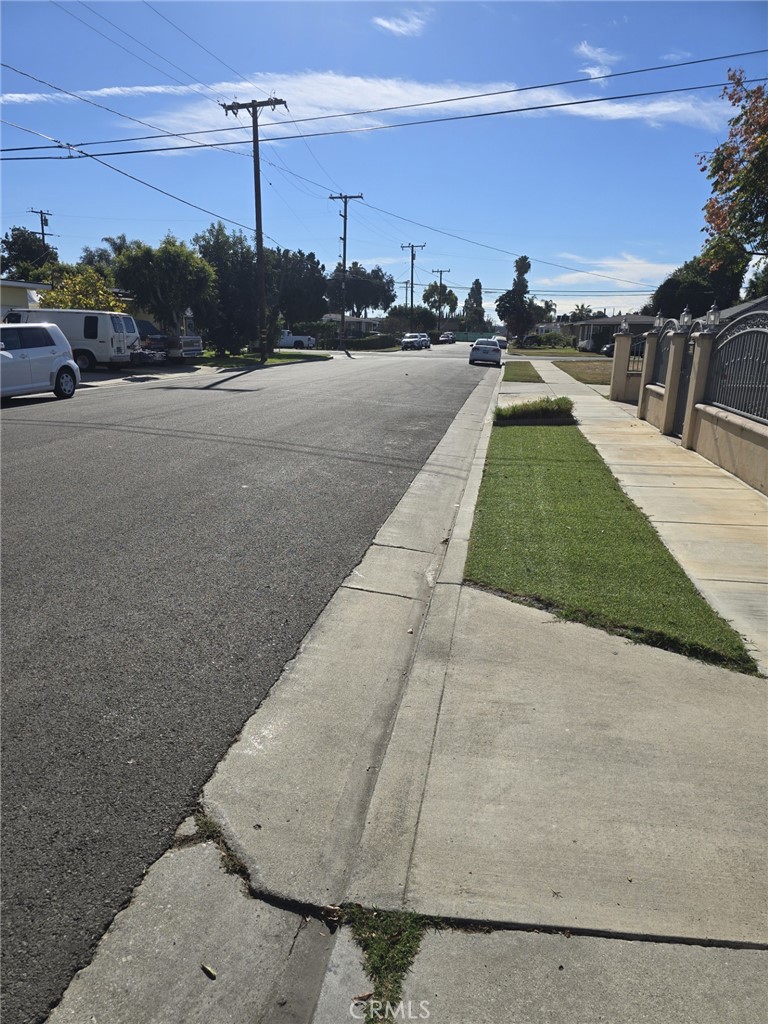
296,285
736,215
514,307
474,313
697,284
365,290
440,298
229,316
166,281
24,256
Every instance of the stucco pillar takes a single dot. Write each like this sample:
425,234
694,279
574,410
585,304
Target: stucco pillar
651,341
702,353
621,345
677,344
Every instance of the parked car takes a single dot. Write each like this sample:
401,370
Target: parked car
425,342
485,350
410,341
447,338
36,357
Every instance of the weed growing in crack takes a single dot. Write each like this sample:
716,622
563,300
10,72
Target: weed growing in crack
390,940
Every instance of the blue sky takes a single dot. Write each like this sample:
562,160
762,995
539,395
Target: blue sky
605,198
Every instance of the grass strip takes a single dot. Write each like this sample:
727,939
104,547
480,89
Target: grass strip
587,373
390,940
539,410
553,528
522,373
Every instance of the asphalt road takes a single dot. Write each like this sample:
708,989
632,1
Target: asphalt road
167,543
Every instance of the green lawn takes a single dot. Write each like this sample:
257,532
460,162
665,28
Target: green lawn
553,528
552,353
522,373
587,373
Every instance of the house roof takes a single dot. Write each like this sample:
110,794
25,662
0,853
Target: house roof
633,319
744,307
37,286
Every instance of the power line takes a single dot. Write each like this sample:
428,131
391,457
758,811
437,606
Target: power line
402,124
404,106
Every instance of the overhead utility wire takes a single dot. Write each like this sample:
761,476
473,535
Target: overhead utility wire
506,252
404,124
530,88
141,181
101,106
235,72
136,55
387,213
404,106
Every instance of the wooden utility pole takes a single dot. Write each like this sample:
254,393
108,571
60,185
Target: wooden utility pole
44,215
345,200
440,296
261,289
412,247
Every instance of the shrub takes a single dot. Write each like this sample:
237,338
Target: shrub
541,411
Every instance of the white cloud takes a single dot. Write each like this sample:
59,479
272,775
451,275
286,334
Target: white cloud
603,61
676,58
627,268
411,24
325,93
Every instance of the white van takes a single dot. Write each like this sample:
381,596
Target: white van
95,336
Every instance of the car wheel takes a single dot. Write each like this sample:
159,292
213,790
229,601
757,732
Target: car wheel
85,361
65,385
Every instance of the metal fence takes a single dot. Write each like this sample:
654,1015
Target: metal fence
661,359
738,370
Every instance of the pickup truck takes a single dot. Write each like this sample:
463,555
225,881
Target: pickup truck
289,340
155,346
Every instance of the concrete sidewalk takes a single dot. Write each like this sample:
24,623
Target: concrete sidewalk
598,805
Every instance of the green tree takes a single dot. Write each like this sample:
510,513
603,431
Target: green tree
581,312
514,307
365,290
474,313
736,214
24,256
697,284
102,258
398,319
166,281
757,286
229,317
440,299
297,285
81,287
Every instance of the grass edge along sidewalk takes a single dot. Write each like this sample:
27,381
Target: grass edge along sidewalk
554,529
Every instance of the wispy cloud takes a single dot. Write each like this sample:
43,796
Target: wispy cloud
410,24
602,60
181,109
675,58
625,266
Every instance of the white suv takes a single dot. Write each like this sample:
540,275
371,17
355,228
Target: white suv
36,357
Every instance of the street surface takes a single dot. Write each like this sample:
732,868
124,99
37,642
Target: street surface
168,540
